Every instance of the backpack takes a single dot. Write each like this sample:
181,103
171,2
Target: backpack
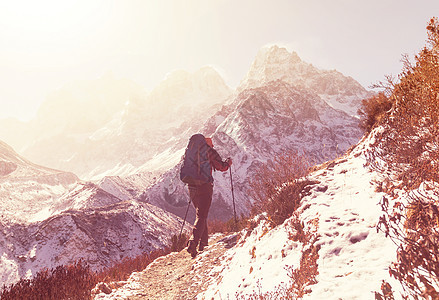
196,168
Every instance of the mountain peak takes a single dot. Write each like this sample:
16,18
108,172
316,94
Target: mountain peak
275,54
275,63
181,84
201,76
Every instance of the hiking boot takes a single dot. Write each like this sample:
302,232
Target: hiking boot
192,249
201,247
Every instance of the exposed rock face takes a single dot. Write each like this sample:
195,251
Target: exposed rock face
99,236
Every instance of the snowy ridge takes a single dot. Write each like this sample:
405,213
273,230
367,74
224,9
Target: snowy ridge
49,218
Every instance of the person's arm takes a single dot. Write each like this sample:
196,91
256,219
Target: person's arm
217,162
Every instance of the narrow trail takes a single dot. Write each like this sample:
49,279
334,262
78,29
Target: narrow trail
177,275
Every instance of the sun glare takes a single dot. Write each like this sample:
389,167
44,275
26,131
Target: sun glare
40,19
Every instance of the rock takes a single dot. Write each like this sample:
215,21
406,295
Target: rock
7,167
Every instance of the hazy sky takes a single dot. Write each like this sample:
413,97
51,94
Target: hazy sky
45,44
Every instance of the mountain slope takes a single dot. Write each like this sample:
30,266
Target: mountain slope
26,189
98,236
261,122
112,127
342,210
49,218
276,63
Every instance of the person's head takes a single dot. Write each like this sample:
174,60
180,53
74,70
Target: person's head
209,142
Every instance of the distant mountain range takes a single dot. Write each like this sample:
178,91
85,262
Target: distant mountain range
50,217
112,126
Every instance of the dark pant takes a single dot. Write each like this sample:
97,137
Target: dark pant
201,197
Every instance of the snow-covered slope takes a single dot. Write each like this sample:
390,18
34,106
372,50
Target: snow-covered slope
49,217
27,189
353,257
99,236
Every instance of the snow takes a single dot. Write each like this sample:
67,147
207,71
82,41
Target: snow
256,262
353,258
9,269
348,104
41,215
342,208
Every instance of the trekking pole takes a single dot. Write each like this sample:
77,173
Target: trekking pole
233,195
184,220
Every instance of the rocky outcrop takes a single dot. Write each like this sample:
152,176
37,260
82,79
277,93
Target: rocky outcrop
7,168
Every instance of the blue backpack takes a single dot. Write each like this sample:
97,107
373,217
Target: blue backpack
196,168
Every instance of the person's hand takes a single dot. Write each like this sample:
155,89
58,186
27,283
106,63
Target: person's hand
229,161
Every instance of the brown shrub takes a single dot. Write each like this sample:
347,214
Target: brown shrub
122,270
74,281
178,243
409,144
373,109
219,226
279,186
305,275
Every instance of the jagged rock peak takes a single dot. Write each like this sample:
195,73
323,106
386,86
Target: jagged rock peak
275,54
275,63
204,86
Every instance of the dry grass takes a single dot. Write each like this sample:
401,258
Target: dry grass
122,270
64,282
75,281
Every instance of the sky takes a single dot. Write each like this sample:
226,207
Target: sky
46,44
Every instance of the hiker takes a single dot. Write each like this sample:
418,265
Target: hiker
199,161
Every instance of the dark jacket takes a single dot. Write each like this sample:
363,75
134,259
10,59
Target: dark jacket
216,161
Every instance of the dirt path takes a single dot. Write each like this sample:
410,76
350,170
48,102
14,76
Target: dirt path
177,275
